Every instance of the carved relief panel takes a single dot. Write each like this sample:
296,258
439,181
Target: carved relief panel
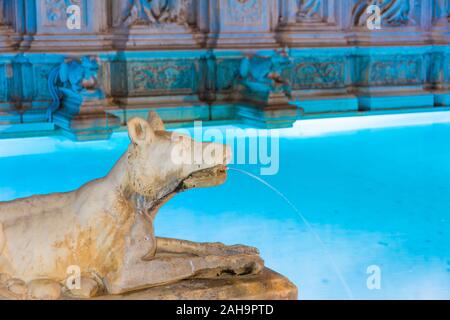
309,11
162,77
393,13
152,13
53,15
389,70
243,15
318,73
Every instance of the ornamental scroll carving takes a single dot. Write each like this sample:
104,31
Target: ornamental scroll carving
394,13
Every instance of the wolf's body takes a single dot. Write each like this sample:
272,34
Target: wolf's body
105,228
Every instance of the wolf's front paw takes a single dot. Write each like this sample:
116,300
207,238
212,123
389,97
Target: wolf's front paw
44,289
88,288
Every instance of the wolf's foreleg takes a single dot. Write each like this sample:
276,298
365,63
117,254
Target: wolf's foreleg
201,248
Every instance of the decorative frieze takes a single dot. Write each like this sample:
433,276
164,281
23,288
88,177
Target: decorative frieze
163,77
397,70
318,73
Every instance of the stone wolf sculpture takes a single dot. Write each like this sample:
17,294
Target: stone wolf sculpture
105,228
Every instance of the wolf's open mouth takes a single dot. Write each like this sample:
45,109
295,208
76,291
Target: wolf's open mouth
206,177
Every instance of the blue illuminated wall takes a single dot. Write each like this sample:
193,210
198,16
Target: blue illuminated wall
183,58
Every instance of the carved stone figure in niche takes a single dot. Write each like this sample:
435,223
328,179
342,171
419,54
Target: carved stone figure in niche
309,10
394,13
76,76
265,73
151,12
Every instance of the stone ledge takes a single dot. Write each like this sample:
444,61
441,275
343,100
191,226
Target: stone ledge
268,285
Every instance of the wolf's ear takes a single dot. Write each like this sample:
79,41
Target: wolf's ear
155,121
140,131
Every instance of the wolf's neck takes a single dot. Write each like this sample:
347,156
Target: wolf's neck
118,178
118,181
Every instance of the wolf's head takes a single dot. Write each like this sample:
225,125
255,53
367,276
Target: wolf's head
160,161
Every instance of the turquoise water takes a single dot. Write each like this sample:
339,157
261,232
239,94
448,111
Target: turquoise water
373,195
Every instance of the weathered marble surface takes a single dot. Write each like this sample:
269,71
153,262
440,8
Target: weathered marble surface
268,285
